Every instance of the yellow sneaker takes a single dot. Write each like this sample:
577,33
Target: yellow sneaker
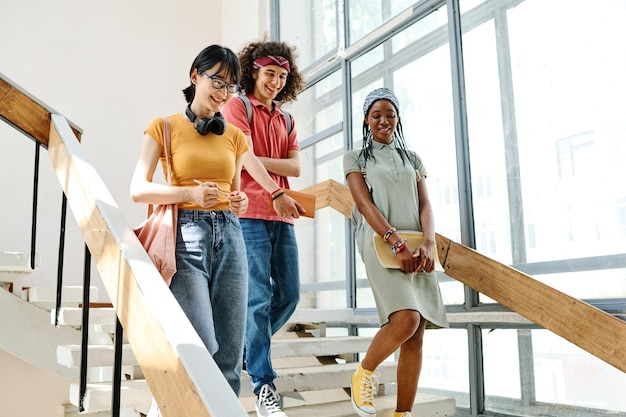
401,414
362,392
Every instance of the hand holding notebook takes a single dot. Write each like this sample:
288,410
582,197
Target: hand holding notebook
386,256
307,201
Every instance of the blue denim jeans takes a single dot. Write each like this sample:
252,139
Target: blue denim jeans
273,291
211,284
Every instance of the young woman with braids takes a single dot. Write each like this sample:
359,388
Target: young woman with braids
388,183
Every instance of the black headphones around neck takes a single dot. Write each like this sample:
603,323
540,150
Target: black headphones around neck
206,125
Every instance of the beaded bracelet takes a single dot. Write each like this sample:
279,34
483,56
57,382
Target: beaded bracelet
400,244
388,234
278,194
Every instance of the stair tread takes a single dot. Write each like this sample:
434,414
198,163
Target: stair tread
320,377
343,315
71,296
307,378
103,355
136,394
73,316
18,262
426,405
98,355
319,346
133,394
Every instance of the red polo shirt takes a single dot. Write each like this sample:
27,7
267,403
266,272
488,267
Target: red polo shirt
269,138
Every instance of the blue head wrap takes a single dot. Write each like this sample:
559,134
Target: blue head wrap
380,94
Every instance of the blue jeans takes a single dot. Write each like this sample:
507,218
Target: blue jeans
211,284
273,291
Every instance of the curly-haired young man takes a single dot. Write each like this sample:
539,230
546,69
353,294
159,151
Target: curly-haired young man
269,77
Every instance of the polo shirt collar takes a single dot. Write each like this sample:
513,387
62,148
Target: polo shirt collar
256,103
378,145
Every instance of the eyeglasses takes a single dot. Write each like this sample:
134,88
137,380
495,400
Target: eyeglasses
219,84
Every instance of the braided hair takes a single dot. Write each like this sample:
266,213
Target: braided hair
398,134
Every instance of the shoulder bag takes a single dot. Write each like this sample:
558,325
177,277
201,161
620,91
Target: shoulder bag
157,233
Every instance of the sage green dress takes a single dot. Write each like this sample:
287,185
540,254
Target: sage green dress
393,186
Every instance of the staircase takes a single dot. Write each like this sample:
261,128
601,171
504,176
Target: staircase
313,370
166,351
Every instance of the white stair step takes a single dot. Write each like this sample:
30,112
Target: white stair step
13,267
16,262
319,346
340,315
73,316
347,315
134,394
98,355
72,411
315,378
426,405
103,355
71,296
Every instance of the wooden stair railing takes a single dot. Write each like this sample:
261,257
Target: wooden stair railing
180,371
588,327
25,113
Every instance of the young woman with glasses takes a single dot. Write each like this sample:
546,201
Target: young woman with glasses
207,155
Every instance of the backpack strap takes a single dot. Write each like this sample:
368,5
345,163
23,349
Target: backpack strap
248,106
288,121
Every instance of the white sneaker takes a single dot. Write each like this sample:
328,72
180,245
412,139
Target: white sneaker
268,403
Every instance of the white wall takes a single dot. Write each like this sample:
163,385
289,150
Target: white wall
19,380
110,67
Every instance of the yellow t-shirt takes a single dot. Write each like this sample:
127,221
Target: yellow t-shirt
205,158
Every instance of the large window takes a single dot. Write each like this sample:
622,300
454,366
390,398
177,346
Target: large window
319,114
540,86
317,35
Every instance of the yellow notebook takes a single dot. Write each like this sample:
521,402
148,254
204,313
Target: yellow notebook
389,260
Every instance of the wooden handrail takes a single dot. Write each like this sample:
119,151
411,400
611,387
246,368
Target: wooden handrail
588,327
181,373
25,113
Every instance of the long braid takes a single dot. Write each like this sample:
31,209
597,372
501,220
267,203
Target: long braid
366,150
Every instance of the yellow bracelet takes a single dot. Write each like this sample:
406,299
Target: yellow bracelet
388,234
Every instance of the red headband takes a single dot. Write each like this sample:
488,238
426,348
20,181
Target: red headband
271,60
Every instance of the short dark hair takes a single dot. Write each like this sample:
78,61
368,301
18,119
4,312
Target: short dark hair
208,58
254,50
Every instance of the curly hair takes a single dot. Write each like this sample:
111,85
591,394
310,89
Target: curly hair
254,50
